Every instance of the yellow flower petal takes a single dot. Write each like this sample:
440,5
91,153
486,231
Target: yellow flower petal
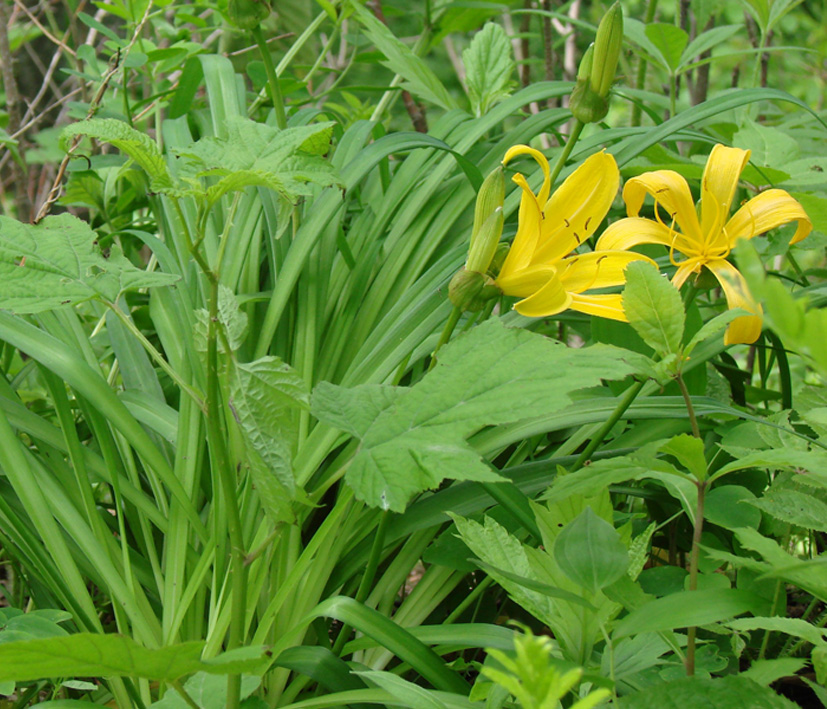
671,192
528,231
720,180
518,150
577,207
767,211
526,281
604,306
744,329
598,269
633,231
549,300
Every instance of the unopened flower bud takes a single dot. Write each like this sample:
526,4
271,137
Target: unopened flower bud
470,291
247,14
488,222
607,47
588,101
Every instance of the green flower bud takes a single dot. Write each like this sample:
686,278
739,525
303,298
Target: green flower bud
247,14
607,47
488,222
586,105
584,71
469,291
499,258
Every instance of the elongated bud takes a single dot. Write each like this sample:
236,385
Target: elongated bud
584,71
247,14
488,222
607,47
484,243
589,100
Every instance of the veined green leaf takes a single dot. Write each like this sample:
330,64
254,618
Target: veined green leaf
208,691
138,146
490,375
589,551
489,65
654,308
670,40
266,396
57,262
793,507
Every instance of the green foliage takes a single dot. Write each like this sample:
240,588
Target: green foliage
488,68
413,439
59,262
249,224
87,654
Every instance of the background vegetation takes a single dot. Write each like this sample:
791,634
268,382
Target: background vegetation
233,471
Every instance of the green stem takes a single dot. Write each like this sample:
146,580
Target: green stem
178,687
765,641
272,77
576,130
368,577
693,420
628,397
697,531
447,331
468,600
196,396
673,98
227,479
693,572
640,77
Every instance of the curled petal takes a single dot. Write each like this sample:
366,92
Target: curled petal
633,231
549,300
597,269
767,211
518,150
721,175
604,306
745,329
526,281
577,207
528,232
671,192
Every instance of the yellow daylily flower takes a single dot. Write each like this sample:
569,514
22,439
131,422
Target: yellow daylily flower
707,241
540,267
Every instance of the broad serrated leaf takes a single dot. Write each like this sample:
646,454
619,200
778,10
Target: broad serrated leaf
589,551
255,154
493,544
419,78
58,262
93,655
136,145
654,308
489,376
794,507
231,319
813,461
688,608
266,396
489,65
733,691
